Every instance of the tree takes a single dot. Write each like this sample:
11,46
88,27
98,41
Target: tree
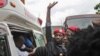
97,7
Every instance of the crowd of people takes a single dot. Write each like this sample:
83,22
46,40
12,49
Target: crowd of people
71,42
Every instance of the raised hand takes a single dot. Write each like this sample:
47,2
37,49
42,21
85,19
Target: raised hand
51,5
48,22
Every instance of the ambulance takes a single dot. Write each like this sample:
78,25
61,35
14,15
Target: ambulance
14,17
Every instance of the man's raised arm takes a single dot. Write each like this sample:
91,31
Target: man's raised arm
48,21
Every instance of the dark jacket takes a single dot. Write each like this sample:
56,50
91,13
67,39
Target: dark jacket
55,49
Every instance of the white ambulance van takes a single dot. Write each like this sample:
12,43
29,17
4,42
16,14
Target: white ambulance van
15,18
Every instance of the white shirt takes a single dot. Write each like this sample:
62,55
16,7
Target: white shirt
22,53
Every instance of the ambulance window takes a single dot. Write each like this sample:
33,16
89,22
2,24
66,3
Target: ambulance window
4,50
27,37
39,40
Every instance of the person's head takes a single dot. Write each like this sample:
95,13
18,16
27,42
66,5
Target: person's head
72,30
59,34
18,39
18,42
41,51
86,45
65,40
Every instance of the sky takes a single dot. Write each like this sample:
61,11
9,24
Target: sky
61,10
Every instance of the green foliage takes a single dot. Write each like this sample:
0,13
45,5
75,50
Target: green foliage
97,7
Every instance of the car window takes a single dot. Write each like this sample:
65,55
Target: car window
39,40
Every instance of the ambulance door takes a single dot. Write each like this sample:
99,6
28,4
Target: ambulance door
7,46
4,44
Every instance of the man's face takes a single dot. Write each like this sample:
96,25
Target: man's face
65,39
58,37
69,32
21,41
